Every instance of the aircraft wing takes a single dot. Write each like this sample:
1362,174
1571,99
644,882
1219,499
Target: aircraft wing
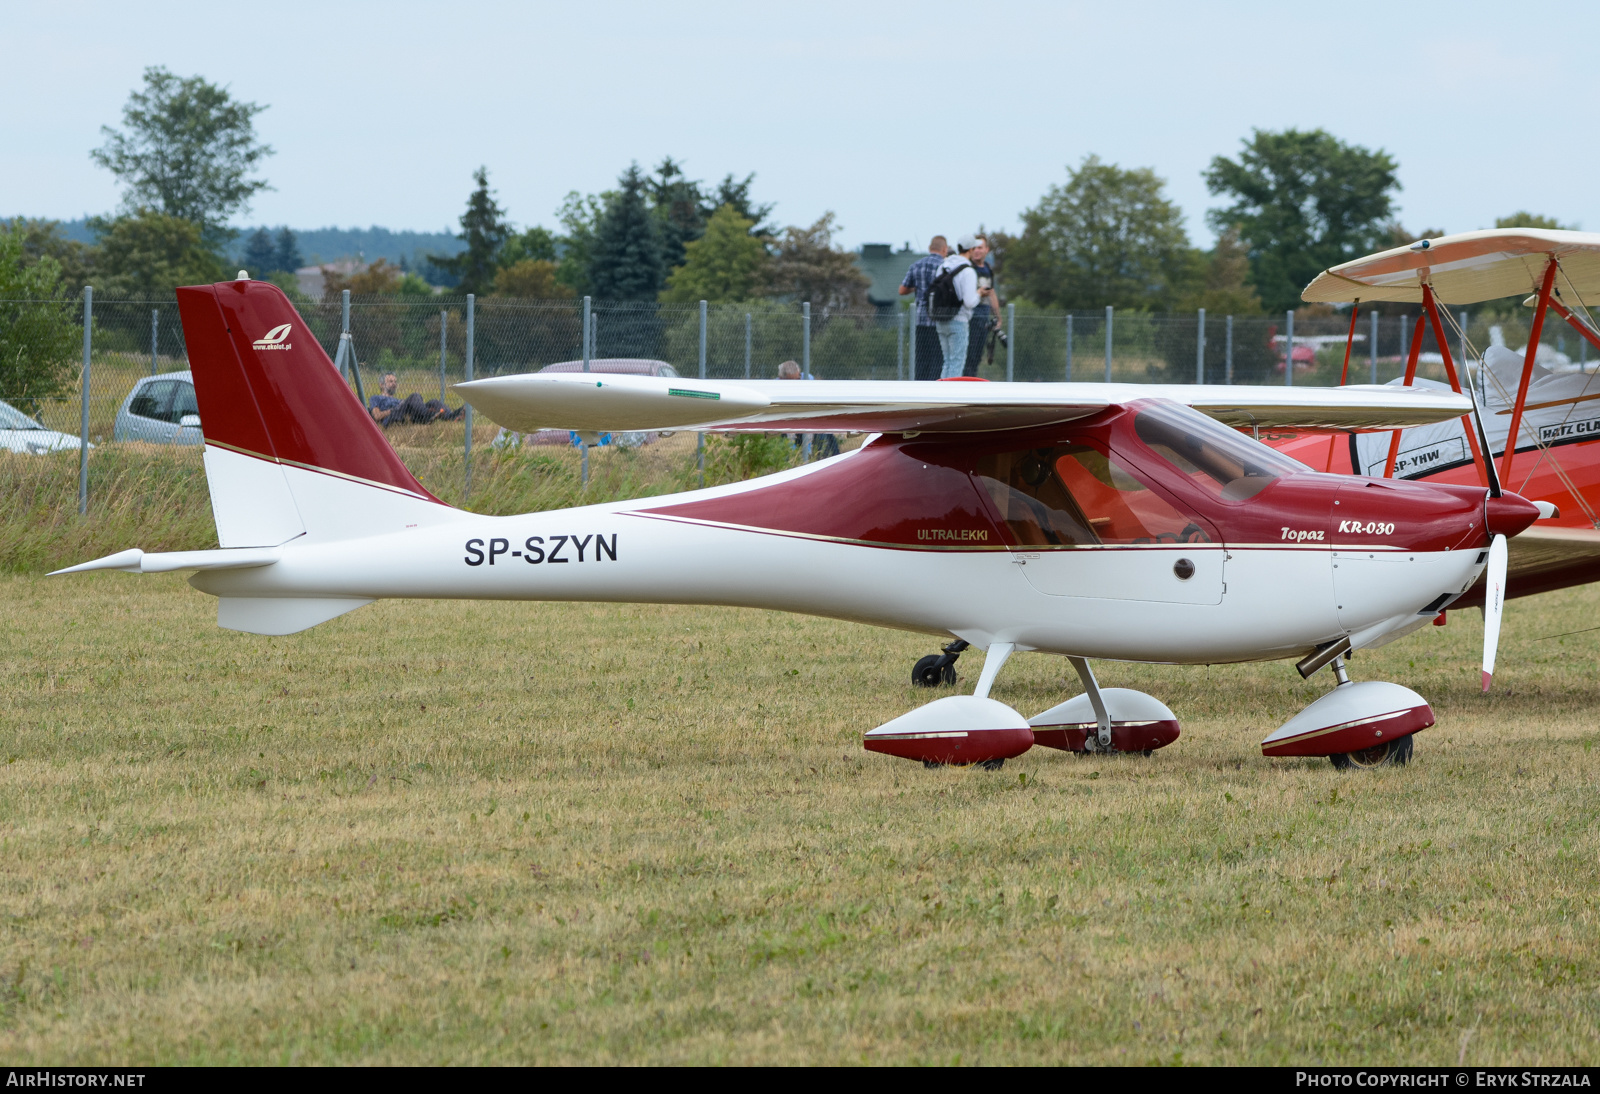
1542,550
608,402
1465,268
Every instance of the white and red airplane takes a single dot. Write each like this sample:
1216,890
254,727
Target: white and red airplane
1088,520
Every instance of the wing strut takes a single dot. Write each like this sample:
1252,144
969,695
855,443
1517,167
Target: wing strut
1411,375
1349,340
1527,367
1431,309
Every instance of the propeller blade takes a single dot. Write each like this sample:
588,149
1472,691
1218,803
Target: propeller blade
1494,598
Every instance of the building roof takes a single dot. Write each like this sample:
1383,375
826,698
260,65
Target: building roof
887,268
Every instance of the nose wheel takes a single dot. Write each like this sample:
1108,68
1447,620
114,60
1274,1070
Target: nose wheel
938,668
1396,753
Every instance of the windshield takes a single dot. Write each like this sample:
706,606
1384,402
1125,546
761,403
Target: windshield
12,418
1222,462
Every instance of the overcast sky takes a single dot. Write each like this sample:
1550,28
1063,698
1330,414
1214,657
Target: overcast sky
904,119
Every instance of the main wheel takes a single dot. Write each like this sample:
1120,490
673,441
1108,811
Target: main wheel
929,673
1395,753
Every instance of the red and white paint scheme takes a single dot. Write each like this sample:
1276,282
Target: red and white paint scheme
1535,394
1088,520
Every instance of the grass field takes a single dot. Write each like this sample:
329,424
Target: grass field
439,832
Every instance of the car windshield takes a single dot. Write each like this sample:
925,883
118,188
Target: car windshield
12,418
1222,462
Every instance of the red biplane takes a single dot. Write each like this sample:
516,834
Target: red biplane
1550,406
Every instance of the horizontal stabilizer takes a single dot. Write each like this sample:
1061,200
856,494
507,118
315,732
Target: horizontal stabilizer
281,615
160,562
606,402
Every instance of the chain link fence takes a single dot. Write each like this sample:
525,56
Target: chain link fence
425,345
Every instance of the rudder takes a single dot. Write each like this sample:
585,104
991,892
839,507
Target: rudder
289,448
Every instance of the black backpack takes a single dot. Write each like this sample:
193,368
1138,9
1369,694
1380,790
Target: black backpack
943,299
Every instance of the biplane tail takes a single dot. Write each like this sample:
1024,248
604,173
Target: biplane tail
289,450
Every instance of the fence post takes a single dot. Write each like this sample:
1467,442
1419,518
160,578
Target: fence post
911,339
346,357
1227,351
344,323
1200,349
83,430
155,329
586,332
466,368
899,347
700,438
1108,343
1011,342
1069,347
747,345
444,326
702,339
1372,348
1288,348
805,367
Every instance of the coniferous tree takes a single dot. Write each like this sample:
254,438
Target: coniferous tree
484,230
737,194
287,256
260,257
626,262
680,208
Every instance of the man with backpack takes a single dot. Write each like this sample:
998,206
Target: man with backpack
951,298
925,354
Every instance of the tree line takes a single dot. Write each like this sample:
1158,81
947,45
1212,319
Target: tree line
186,155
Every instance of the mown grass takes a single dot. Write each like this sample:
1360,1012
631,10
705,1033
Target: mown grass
439,832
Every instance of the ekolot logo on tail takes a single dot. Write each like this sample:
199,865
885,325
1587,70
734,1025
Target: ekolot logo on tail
274,338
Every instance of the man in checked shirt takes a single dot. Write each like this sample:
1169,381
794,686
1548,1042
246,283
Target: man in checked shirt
928,357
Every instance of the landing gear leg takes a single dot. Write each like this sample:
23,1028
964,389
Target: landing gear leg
1091,687
938,668
1341,677
992,660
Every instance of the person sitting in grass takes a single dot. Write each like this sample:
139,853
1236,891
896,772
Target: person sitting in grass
386,409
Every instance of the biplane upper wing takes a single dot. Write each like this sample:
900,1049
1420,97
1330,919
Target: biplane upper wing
605,402
1464,268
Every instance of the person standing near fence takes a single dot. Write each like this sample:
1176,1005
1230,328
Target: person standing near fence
925,354
790,370
987,313
951,298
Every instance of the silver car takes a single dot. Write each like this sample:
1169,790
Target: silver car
161,410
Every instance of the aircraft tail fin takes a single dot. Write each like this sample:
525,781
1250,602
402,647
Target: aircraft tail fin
290,451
